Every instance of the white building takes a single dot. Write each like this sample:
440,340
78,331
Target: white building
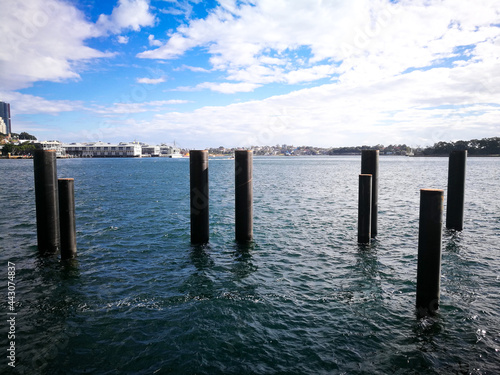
3,127
170,152
151,150
53,145
103,150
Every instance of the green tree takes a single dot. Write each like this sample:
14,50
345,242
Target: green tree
25,135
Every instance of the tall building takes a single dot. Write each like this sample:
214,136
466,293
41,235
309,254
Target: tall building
3,127
5,115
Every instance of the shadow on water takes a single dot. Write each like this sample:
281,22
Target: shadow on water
200,257
242,255
53,299
367,261
454,240
200,284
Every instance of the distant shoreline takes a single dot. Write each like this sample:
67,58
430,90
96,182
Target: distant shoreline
445,156
287,156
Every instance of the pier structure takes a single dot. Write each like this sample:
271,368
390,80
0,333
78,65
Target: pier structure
369,165
243,195
199,196
47,202
364,208
429,251
456,190
66,188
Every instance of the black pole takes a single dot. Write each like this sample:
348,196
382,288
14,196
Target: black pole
243,195
67,217
429,251
369,165
456,190
364,208
198,171
47,204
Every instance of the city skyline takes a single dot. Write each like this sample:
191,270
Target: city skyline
241,73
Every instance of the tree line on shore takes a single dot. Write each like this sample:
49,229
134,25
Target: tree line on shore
20,144
485,146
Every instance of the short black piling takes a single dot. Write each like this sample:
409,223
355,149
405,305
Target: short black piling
198,171
47,203
429,251
456,190
243,195
67,217
364,208
369,165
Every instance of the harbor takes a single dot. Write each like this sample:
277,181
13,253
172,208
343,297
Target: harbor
302,297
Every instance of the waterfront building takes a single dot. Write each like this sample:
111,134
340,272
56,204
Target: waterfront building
169,151
151,150
102,150
5,116
53,145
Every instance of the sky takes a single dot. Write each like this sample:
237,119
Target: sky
325,73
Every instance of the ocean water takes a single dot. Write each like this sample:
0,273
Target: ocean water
304,298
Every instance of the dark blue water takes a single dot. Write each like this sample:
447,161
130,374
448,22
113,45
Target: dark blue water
303,299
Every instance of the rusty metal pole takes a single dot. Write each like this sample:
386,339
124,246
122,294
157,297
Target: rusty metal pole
47,203
369,165
243,195
429,251
67,217
198,171
456,190
364,208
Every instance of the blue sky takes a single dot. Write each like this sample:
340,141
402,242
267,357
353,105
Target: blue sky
240,73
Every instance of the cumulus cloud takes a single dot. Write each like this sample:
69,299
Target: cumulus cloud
302,41
151,81
415,71
22,104
128,108
195,69
228,88
122,39
42,40
153,41
418,108
129,14
45,40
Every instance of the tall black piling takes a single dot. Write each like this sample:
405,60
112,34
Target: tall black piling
47,203
243,195
364,208
369,165
429,251
67,217
198,171
456,190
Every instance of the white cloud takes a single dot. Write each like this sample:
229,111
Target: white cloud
128,108
42,40
153,41
122,39
178,7
129,14
415,71
151,81
30,104
303,41
228,88
195,69
417,108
